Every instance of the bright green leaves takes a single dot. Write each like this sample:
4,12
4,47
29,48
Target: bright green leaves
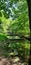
14,20
14,16
2,37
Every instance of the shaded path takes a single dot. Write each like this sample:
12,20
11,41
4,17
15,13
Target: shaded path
11,61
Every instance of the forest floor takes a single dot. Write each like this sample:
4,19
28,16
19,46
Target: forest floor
11,61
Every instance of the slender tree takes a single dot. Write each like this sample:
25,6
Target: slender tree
29,8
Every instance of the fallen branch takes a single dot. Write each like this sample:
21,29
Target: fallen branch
20,36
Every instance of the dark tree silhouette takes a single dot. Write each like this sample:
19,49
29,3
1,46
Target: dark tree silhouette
29,8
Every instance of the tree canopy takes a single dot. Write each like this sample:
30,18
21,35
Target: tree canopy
14,16
14,26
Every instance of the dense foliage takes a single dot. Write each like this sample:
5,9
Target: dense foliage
14,22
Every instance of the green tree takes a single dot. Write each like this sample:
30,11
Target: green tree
14,26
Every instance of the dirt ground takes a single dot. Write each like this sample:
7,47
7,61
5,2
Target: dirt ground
11,61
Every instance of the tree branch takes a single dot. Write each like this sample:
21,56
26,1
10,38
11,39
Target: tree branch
20,36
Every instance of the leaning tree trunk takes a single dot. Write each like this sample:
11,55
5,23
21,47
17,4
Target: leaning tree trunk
29,8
